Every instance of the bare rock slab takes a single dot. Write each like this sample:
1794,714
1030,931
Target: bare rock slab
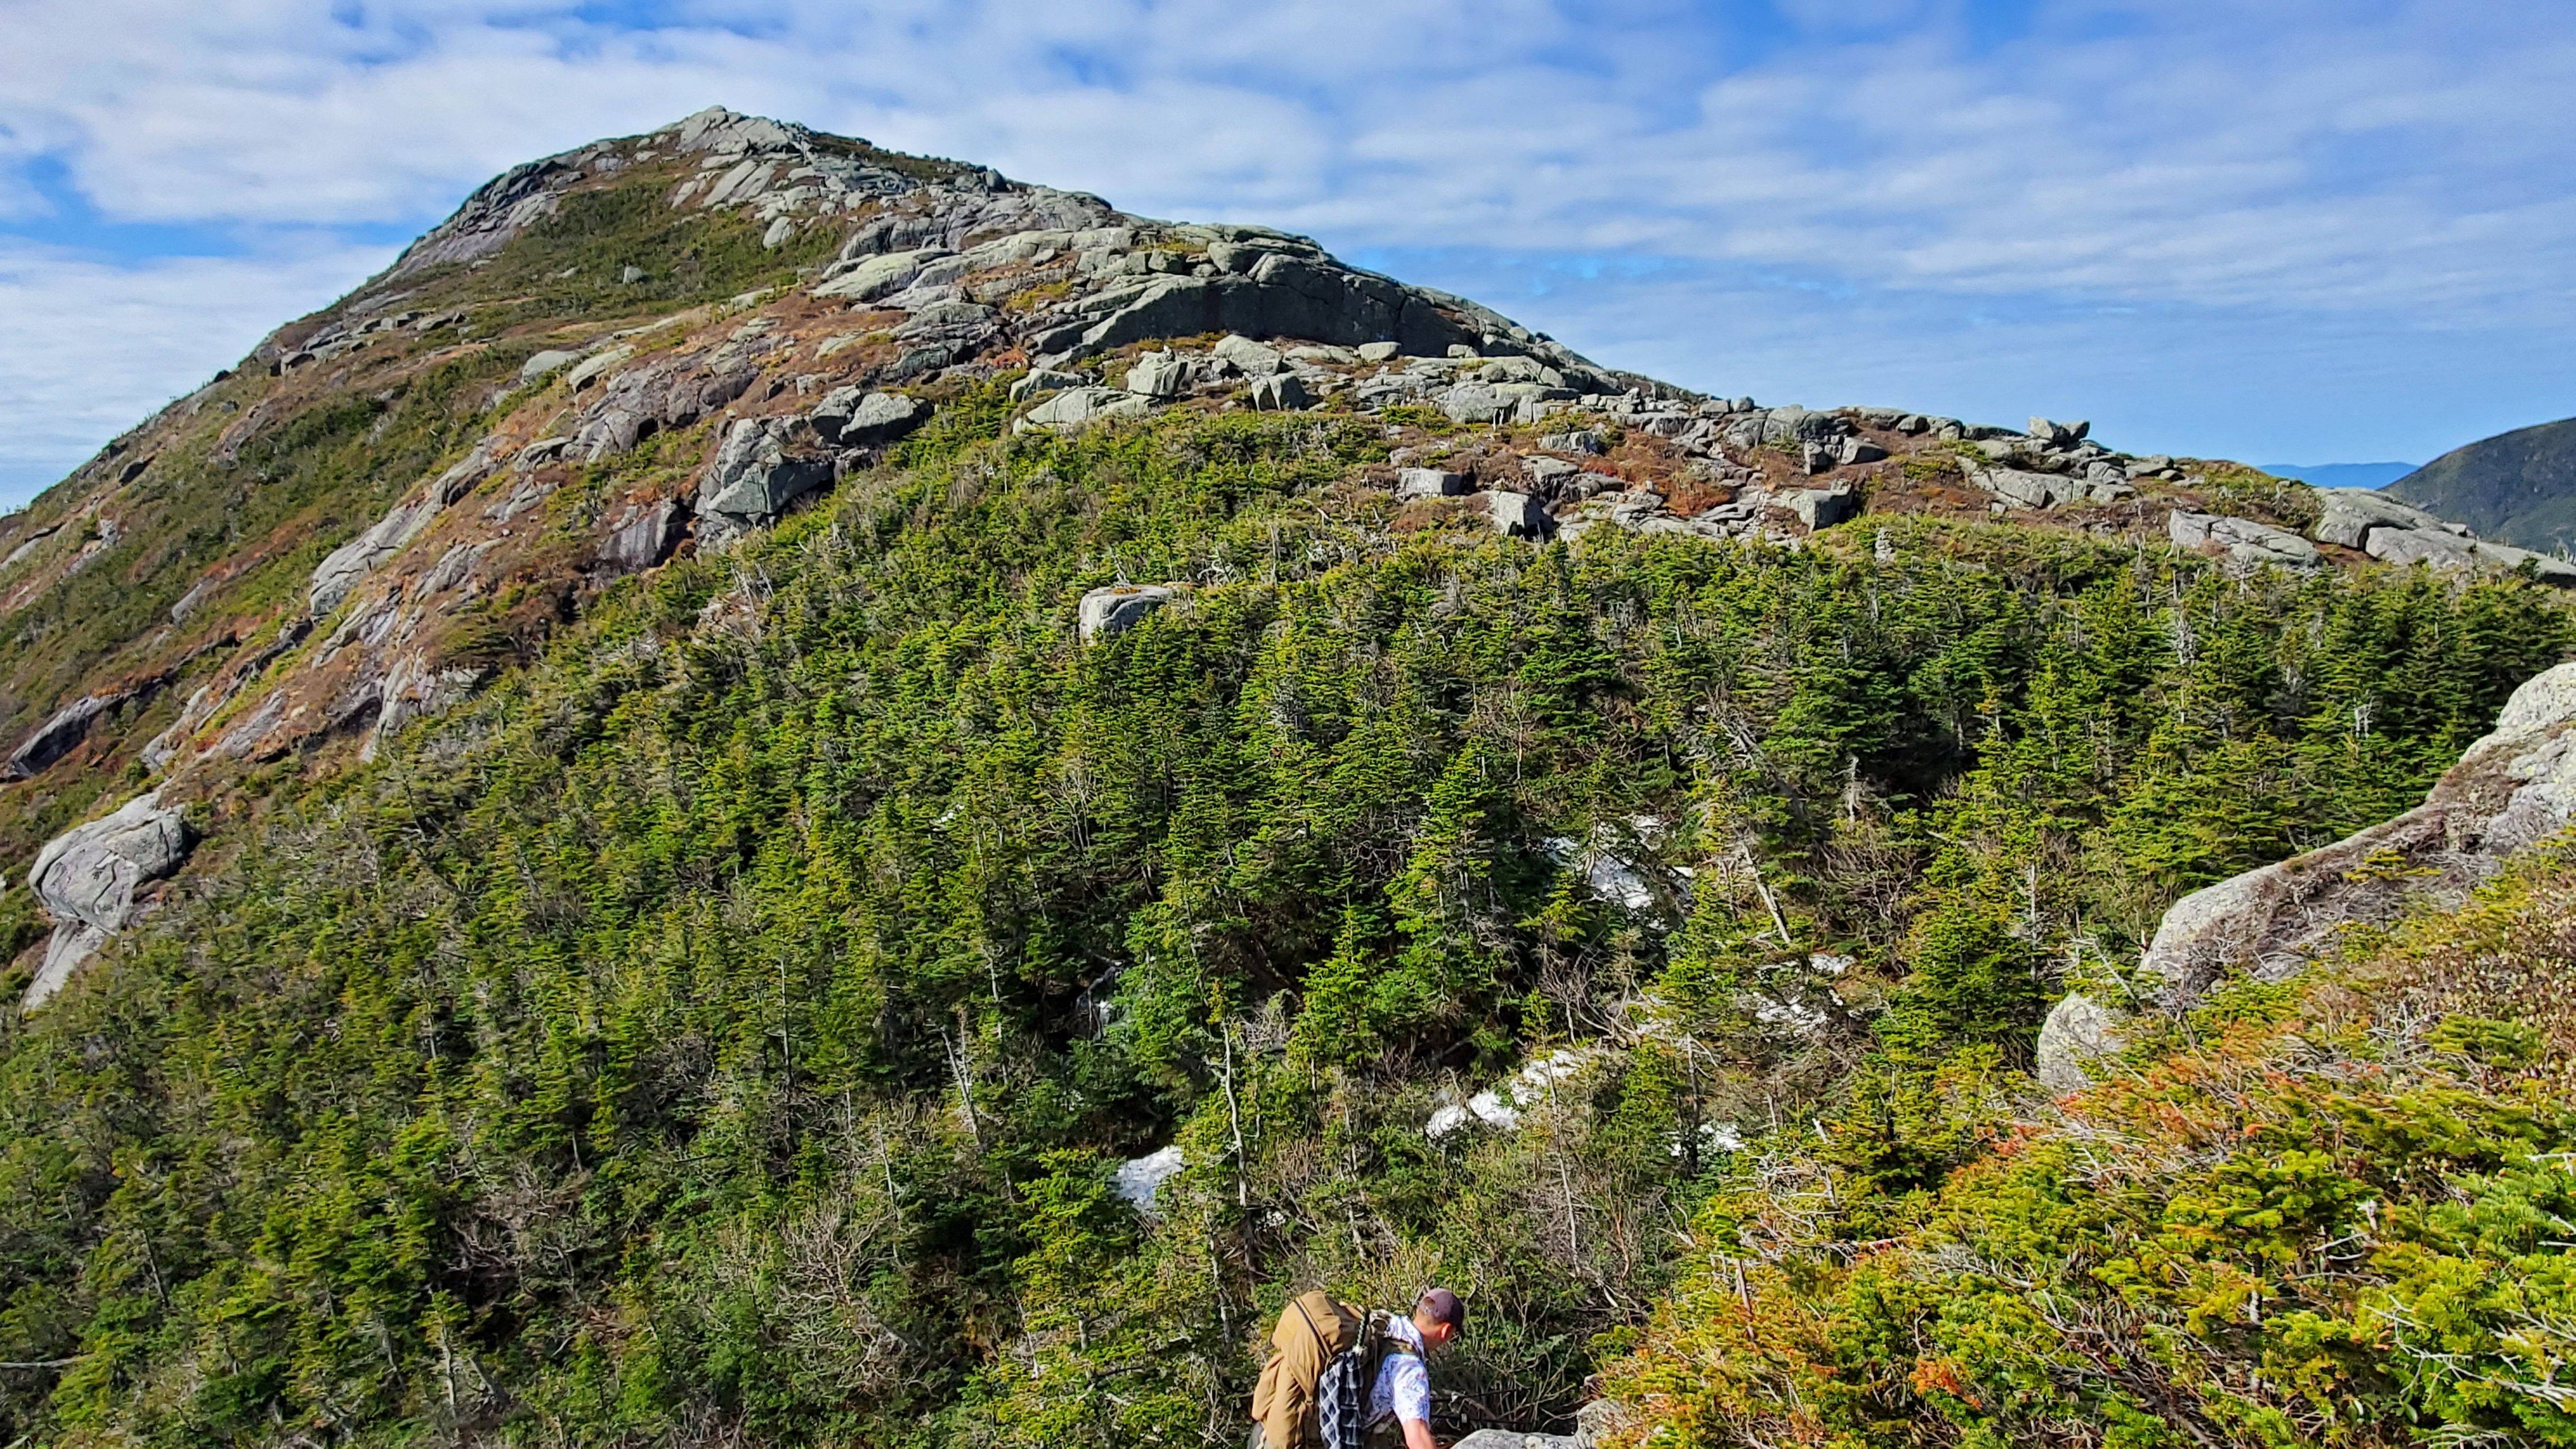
1109,612
87,878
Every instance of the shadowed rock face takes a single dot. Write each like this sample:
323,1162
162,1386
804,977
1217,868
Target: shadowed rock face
2510,790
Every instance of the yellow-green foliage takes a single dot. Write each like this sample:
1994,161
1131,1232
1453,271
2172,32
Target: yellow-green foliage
2330,1213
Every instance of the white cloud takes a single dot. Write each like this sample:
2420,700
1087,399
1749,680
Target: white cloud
96,347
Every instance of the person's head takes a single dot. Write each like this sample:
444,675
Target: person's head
1439,1317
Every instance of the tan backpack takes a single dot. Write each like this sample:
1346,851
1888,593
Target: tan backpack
1314,1329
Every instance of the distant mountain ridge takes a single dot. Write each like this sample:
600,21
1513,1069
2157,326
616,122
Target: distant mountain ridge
2518,486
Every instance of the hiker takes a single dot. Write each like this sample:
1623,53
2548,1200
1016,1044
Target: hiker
1311,1394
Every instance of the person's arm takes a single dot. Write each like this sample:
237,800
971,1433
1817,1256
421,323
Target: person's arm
1411,1400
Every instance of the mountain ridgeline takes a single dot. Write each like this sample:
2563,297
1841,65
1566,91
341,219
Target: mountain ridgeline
778,793
2519,486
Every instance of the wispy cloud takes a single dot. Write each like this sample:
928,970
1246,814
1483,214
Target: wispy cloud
94,347
2377,173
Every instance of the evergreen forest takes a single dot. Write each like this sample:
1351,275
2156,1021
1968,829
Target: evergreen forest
731,1027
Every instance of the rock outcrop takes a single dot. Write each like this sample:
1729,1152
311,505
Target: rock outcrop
1108,612
87,879
2510,790
2393,531
2245,540
340,571
614,445
763,465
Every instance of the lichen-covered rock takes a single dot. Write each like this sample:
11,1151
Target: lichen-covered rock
762,465
2515,787
1108,612
86,878
851,418
2078,1032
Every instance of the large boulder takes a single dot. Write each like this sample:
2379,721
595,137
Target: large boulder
1282,296
2350,514
2449,552
1108,612
2020,488
86,879
1518,515
2512,788
2245,540
1076,407
850,418
1429,483
762,466
1823,507
1159,375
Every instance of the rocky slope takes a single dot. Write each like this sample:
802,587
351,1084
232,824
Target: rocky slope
2519,486
396,496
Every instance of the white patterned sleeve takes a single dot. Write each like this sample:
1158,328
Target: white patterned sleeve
1409,1387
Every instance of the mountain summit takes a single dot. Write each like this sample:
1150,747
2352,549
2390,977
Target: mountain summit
779,793
789,303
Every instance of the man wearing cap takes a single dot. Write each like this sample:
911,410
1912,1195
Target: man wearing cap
1400,1404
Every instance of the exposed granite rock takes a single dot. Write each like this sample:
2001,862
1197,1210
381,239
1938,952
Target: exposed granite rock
1823,507
2019,487
2512,788
1108,612
663,394
2078,1032
849,418
2449,552
546,362
1279,392
340,571
87,878
762,465
1077,406
2351,514
1518,515
640,536
1429,483
57,736
2245,540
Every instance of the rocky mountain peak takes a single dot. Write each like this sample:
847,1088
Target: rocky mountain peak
668,341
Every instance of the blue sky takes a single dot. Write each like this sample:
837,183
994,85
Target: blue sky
2281,232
